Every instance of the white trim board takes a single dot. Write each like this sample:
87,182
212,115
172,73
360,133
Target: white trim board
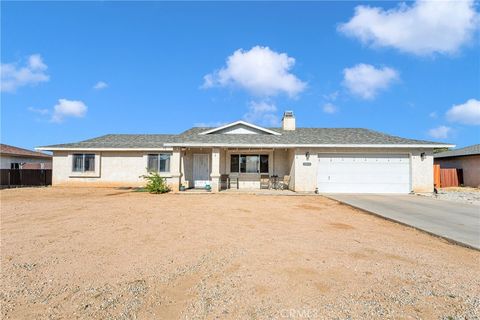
228,125
235,145
169,146
102,149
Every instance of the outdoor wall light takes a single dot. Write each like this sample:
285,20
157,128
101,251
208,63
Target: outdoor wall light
423,156
307,155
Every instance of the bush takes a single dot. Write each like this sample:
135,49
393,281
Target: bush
155,183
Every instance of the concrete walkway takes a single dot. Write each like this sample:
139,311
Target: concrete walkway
451,220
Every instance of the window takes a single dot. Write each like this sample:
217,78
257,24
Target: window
159,162
14,165
252,164
263,163
234,163
83,162
249,163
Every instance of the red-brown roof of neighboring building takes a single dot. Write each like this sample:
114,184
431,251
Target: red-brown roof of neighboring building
14,151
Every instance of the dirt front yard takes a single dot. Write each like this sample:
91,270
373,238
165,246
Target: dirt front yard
116,254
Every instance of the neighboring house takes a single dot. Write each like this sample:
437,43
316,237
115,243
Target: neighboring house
305,159
17,158
467,159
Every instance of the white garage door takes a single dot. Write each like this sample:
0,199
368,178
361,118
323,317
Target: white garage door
363,173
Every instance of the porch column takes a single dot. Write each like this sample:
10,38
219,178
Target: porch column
175,169
215,175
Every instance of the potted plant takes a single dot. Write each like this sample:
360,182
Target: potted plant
208,188
182,187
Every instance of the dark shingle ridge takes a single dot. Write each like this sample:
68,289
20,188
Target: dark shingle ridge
466,151
300,136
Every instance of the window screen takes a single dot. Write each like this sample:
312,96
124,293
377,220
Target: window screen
83,162
159,162
249,163
77,163
164,163
252,164
152,163
89,162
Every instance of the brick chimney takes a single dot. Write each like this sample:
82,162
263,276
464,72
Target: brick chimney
288,121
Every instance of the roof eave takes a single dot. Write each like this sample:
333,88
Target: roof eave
455,155
40,156
169,146
101,149
264,145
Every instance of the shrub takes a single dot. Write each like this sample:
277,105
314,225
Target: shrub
155,183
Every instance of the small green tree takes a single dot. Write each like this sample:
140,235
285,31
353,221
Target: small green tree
155,183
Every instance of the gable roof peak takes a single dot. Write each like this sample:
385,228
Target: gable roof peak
240,122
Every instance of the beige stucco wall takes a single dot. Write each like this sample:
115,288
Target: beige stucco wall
6,160
112,168
305,177
422,170
470,166
125,168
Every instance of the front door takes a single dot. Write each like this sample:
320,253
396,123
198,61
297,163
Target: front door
201,176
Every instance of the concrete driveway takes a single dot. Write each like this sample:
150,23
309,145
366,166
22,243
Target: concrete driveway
452,220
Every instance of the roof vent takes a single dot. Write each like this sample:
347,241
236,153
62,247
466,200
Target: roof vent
288,121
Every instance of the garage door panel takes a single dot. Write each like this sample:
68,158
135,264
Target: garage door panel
365,188
353,173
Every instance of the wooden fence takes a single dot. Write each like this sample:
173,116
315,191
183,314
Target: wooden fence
447,177
12,178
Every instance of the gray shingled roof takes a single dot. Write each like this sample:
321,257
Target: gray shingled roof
300,136
467,151
119,141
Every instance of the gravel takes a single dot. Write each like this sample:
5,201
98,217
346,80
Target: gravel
465,195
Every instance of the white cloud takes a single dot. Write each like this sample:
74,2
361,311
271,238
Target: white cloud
210,124
331,96
100,85
440,132
426,27
68,108
38,110
329,108
366,81
260,71
467,113
35,62
262,113
433,114
13,76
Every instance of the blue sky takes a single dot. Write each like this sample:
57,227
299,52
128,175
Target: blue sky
72,71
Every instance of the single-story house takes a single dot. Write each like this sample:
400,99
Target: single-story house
467,159
244,155
17,158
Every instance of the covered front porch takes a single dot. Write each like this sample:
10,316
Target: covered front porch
236,168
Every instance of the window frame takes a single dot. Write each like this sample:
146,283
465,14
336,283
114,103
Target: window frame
15,165
83,162
242,163
159,160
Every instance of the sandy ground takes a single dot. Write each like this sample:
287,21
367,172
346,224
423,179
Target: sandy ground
113,254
